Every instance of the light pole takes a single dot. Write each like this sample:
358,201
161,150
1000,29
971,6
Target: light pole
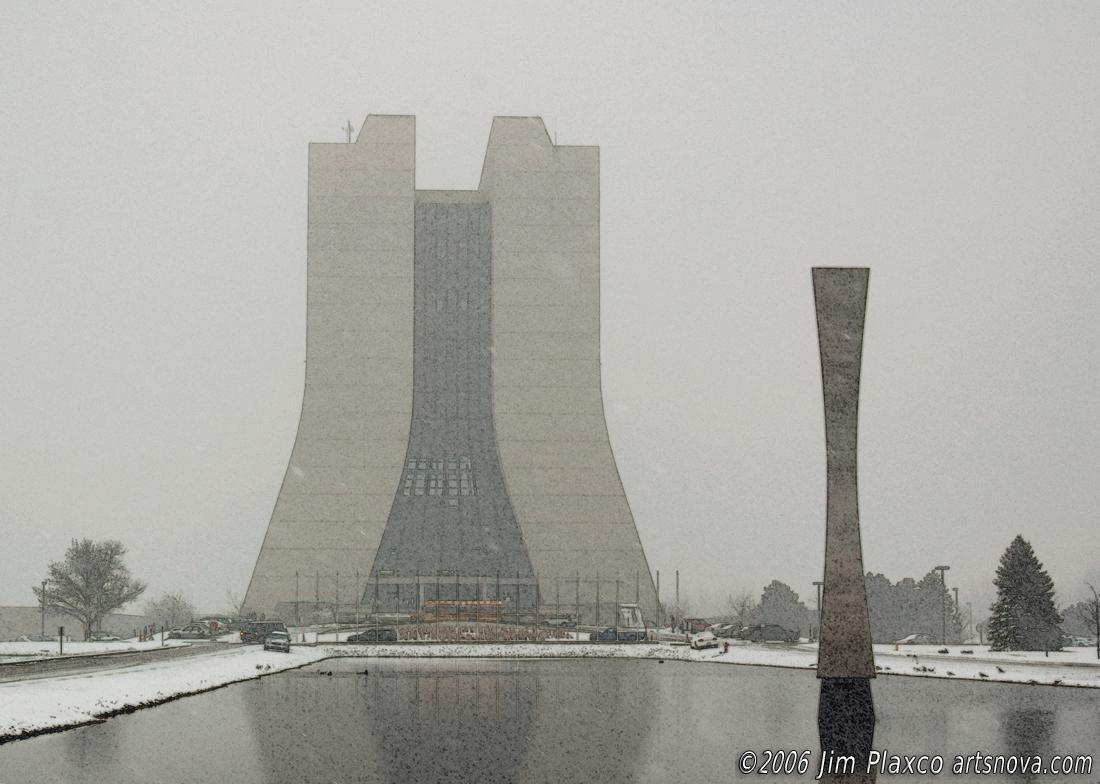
958,611
818,583
943,578
659,624
44,609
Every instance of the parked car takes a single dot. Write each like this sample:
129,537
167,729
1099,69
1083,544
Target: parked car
219,624
561,621
257,631
726,630
376,634
704,639
916,639
611,634
102,637
767,632
192,631
277,641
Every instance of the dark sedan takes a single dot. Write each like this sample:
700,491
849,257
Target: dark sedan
611,634
381,634
767,632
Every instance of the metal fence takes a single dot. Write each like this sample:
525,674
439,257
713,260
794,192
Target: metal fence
507,601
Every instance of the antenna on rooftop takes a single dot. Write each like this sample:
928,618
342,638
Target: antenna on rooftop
348,130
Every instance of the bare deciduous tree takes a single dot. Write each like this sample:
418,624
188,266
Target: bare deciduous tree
171,609
1089,612
91,582
235,603
740,607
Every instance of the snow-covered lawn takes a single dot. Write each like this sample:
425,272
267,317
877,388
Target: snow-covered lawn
15,651
1075,654
31,706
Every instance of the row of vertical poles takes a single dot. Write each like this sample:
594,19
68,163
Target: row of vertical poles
518,596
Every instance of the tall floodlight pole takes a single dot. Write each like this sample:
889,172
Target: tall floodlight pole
846,717
659,625
349,130
43,597
958,610
943,604
818,584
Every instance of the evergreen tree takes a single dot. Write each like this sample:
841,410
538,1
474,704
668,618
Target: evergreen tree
882,609
935,602
908,607
779,604
1024,616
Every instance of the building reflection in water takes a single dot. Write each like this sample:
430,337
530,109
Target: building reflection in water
428,721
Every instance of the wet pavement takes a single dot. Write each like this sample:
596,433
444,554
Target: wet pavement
485,721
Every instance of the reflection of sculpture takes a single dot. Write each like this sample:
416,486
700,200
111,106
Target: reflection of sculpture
845,663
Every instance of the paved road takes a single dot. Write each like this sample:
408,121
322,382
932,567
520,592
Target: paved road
66,665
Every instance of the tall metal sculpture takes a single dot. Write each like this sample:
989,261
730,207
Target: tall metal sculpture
845,663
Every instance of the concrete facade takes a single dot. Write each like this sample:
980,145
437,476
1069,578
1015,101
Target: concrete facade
357,404
448,326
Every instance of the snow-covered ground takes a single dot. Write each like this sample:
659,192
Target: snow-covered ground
1019,668
1076,654
31,706
16,651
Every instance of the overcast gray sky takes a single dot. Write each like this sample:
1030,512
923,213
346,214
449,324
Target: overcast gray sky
153,247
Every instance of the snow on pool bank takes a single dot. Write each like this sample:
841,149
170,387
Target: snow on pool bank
1029,671
31,707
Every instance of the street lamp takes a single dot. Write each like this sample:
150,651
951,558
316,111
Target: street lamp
943,578
818,583
958,610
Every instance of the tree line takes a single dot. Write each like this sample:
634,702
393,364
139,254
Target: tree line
93,580
1024,616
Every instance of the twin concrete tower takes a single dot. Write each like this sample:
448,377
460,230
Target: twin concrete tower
452,441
